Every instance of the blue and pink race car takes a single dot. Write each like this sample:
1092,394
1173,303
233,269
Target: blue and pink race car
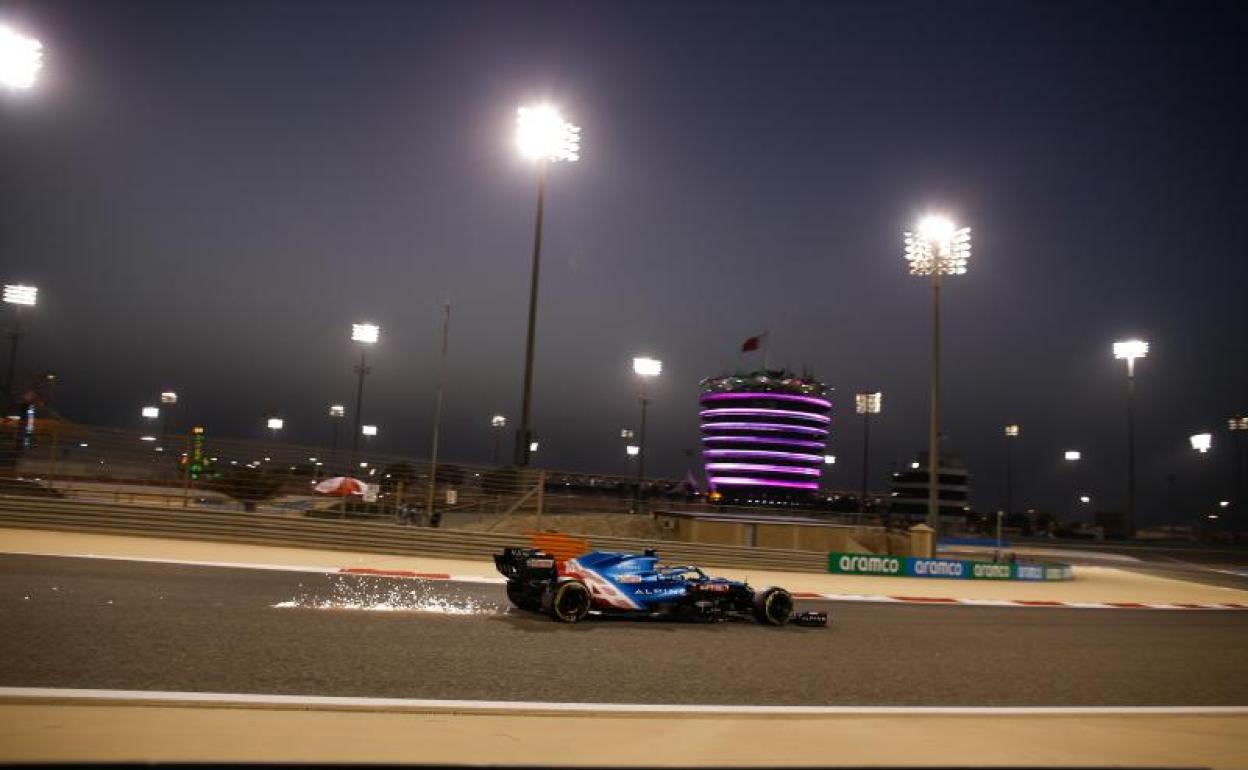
608,582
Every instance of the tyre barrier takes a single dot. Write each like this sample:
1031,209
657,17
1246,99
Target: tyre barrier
346,535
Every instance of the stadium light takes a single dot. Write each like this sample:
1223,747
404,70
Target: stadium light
543,136
20,294
337,410
936,247
632,450
1129,351
275,423
168,398
21,58
368,430
151,412
1073,455
645,368
866,404
1202,442
366,334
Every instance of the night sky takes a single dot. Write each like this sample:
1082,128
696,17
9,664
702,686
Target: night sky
209,194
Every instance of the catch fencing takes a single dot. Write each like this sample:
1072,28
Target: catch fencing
195,471
379,537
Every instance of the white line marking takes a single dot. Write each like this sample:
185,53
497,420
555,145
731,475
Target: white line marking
419,704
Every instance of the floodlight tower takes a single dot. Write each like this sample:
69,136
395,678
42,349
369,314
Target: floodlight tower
645,368
1238,425
937,247
21,58
19,296
1011,434
1129,350
542,136
1202,443
497,423
866,404
336,413
168,400
366,334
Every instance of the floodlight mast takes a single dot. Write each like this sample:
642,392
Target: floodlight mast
645,368
542,136
366,334
866,404
1130,350
937,247
19,296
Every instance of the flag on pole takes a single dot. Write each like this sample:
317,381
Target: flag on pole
753,343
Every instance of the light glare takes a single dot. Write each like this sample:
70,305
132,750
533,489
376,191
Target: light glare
1130,349
367,333
21,58
20,294
647,367
543,134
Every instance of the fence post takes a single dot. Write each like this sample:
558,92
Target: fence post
186,473
541,497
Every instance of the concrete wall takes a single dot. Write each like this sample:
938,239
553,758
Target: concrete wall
784,535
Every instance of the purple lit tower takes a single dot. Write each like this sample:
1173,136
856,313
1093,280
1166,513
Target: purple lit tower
763,435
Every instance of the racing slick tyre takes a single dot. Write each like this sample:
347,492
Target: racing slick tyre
567,602
523,598
773,606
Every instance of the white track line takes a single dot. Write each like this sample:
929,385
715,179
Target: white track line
158,697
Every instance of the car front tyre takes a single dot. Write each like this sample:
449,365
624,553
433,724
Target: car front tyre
773,606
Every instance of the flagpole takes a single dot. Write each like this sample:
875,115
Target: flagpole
766,349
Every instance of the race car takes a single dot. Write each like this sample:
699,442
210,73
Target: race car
609,582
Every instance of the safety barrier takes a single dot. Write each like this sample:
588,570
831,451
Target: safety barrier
346,535
906,566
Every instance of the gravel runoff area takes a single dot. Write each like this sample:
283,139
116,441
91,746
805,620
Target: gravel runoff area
1091,584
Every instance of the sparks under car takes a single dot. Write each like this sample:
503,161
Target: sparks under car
608,582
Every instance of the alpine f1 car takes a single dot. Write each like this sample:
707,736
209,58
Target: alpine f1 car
608,582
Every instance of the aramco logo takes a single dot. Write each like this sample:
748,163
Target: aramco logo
876,565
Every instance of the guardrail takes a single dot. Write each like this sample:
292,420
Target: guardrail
345,535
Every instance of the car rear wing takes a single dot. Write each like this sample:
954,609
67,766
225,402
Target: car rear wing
526,564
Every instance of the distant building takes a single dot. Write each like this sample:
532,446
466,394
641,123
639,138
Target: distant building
909,490
763,436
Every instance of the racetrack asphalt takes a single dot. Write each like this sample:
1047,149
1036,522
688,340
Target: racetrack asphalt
84,623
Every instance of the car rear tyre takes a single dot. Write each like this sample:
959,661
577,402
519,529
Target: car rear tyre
567,602
522,597
773,606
